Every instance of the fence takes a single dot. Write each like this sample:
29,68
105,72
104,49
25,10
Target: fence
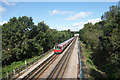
19,71
84,72
80,76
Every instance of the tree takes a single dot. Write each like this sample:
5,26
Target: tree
42,26
103,39
22,39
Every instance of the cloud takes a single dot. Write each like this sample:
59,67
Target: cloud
2,9
63,28
79,15
80,25
59,12
1,23
66,28
93,21
8,3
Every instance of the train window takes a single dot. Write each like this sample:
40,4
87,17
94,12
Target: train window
57,47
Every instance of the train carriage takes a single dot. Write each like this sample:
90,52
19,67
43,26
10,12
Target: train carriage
60,47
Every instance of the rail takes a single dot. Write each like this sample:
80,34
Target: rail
19,71
59,69
41,68
38,71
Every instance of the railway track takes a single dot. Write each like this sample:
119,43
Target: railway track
59,69
41,68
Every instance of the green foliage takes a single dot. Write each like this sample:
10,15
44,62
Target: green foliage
103,39
15,65
93,72
90,34
22,39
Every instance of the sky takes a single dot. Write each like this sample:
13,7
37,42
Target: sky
57,15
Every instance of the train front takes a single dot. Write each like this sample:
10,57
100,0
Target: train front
57,49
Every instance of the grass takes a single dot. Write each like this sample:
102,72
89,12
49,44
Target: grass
94,73
15,65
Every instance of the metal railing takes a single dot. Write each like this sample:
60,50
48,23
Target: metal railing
80,75
19,71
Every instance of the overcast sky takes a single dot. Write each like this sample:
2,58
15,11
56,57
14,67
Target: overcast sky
58,15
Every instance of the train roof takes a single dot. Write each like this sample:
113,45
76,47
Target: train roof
61,44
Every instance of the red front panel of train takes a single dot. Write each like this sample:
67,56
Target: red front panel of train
60,50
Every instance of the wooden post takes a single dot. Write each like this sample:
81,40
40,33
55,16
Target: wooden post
7,75
14,71
25,63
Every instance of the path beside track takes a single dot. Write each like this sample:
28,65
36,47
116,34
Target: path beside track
32,67
71,69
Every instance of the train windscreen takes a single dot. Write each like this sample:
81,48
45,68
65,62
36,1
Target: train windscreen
57,47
